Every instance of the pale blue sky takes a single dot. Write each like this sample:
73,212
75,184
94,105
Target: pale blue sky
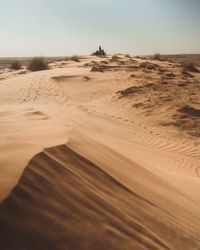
65,27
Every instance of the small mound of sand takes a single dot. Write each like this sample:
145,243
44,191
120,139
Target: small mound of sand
63,77
86,78
37,115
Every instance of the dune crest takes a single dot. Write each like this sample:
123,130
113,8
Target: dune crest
63,199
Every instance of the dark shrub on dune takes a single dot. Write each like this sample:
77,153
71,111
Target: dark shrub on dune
149,66
16,65
37,64
185,73
191,111
158,57
74,58
189,66
127,56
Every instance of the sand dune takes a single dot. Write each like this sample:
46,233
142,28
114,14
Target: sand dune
126,174
64,201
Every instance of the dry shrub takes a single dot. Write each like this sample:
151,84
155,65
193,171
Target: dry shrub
16,65
191,111
185,73
128,56
37,64
189,66
74,58
157,57
149,66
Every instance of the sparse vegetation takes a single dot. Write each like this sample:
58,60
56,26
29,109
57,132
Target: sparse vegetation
158,57
74,58
194,58
37,64
149,66
190,66
127,56
185,73
15,65
134,89
191,111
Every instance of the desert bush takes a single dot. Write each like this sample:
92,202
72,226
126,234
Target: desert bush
158,57
127,56
149,66
37,64
189,66
74,58
16,65
190,111
185,73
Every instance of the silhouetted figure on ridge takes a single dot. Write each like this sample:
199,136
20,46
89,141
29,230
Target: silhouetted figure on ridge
99,52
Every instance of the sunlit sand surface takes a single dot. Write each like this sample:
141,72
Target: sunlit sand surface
100,154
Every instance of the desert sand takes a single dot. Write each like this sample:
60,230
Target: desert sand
100,154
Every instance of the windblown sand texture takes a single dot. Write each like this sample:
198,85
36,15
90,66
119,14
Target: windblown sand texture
102,153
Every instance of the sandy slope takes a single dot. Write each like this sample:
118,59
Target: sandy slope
119,180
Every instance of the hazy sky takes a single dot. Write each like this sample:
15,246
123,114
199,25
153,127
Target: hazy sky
65,27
